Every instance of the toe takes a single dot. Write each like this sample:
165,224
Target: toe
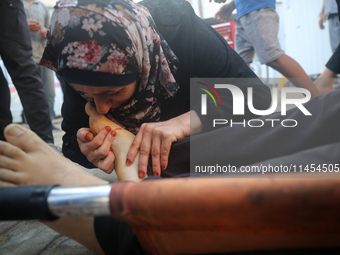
23,138
8,177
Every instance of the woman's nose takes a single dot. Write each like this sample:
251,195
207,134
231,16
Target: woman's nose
102,107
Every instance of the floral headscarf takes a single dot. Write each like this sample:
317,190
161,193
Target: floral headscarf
112,43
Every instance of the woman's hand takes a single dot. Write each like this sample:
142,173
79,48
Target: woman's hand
156,139
97,149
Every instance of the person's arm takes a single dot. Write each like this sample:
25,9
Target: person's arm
156,138
322,18
202,52
225,11
74,118
34,26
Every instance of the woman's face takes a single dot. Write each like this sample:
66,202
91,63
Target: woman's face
106,98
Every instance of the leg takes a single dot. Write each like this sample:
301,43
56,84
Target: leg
21,161
5,103
243,45
324,82
333,63
334,31
294,72
239,146
48,81
62,83
262,28
321,156
16,52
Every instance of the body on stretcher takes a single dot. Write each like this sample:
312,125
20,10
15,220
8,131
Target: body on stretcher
198,215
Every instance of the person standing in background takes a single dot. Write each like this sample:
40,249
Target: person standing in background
38,19
16,53
325,81
257,27
330,12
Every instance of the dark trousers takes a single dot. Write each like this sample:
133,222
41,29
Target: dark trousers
5,103
16,53
315,140
334,62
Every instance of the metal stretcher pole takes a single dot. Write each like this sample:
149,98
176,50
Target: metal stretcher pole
51,202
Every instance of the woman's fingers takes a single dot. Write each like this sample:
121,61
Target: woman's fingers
130,158
84,135
107,164
165,152
98,149
145,149
161,144
155,154
87,142
156,141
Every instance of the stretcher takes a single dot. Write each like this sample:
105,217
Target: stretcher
198,215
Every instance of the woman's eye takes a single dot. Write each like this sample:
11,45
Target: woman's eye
114,94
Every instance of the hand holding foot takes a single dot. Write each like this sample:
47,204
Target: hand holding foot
120,145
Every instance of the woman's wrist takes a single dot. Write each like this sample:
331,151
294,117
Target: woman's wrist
195,123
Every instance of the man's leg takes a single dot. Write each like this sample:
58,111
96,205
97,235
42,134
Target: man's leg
16,52
48,81
334,31
239,146
324,82
243,45
261,27
294,72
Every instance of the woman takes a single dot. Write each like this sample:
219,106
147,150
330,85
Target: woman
113,55
76,28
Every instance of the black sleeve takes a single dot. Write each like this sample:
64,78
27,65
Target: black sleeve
204,53
74,118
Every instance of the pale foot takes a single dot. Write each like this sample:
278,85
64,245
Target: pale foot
27,160
120,145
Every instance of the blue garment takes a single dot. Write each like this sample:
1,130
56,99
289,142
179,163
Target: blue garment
245,6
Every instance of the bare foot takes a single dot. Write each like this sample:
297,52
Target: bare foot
27,160
120,145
